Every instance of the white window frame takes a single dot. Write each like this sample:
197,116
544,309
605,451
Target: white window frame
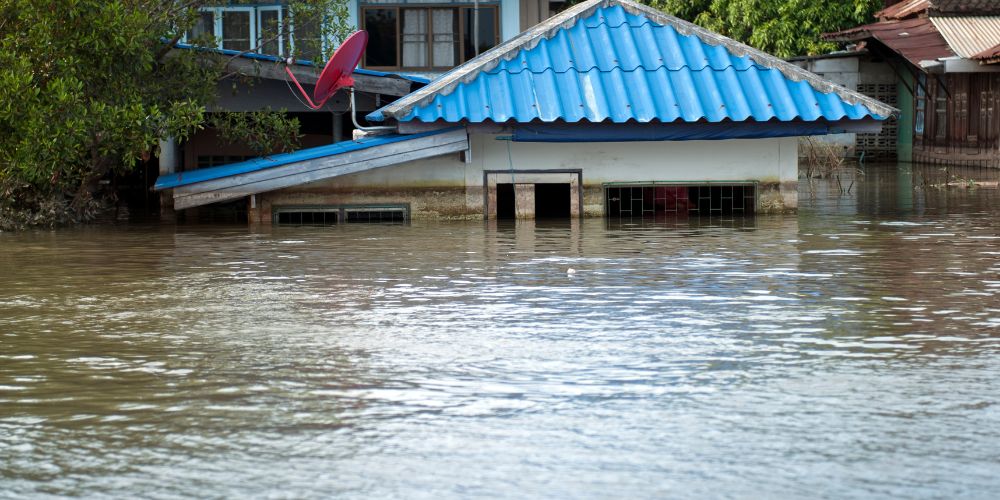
217,28
215,18
251,18
326,45
281,25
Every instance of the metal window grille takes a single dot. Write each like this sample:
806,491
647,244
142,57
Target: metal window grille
680,200
331,215
306,217
375,215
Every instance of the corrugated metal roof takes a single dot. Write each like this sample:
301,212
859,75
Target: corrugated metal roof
989,56
169,181
618,61
966,7
904,9
915,39
969,36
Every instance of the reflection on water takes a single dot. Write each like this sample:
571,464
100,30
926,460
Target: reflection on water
851,350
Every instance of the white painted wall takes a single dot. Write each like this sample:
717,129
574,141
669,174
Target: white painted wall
735,160
764,160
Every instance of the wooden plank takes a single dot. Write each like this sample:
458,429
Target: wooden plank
314,170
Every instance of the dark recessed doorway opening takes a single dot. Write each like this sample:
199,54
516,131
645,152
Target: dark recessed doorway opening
505,202
552,201
680,200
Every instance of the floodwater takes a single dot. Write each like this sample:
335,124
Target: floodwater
850,351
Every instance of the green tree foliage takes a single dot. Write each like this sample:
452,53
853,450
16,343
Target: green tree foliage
784,28
88,87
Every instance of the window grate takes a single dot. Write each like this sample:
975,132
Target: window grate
332,215
375,215
306,217
680,200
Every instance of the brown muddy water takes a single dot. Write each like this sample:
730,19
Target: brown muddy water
850,351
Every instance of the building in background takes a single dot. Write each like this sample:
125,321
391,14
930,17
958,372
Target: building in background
937,60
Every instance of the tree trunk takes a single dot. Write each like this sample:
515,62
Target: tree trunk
89,184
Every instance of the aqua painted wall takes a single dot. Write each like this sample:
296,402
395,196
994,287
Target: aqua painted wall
904,137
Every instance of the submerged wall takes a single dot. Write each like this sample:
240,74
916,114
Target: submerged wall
452,186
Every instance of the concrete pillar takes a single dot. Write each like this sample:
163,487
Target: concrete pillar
338,127
524,201
574,198
170,159
510,19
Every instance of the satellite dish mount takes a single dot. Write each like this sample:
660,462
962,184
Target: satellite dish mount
336,75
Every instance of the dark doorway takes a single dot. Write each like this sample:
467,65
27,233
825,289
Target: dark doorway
552,201
505,202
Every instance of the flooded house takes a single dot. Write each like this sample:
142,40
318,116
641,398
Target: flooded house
937,61
608,108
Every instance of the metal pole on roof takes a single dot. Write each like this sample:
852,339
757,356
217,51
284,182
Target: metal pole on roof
475,26
357,125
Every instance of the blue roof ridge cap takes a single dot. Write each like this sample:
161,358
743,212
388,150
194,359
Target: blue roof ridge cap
529,39
629,69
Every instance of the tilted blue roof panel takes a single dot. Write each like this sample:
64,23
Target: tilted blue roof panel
616,65
168,181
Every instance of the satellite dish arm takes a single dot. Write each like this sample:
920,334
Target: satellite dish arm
305,94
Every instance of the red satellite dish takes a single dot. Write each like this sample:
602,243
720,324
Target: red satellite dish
337,72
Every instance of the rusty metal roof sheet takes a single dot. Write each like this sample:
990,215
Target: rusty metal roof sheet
969,36
915,39
904,9
617,61
989,56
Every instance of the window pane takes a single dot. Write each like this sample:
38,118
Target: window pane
414,38
236,30
445,37
382,38
479,41
268,32
203,28
308,44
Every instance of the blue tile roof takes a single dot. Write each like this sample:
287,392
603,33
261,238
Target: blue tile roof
616,61
206,174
